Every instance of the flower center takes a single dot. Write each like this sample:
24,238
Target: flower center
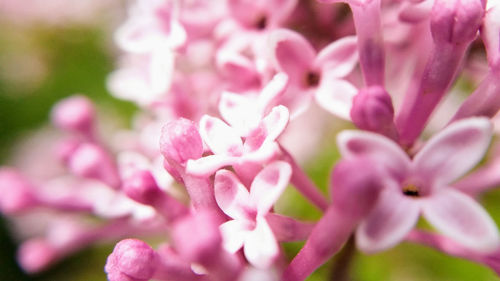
411,190
261,23
312,79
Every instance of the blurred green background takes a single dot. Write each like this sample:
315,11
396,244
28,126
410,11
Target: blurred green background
42,64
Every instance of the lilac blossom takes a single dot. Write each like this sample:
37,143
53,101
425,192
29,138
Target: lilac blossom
321,73
248,210
222,89
424,186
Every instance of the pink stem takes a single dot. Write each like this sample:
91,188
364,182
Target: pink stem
437,77
370,41
484,101
288,229
304,184
327,238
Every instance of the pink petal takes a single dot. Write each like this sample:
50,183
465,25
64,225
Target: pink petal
269,130
126,83
416,12
273,90
219,137
161,70
137,36
261,248
377,147
280,10
335,96
241,112
489,33
206,166
233,64
292,54
297,99
339,58
265,152
269,184
276,122
462,219
231,195
454,151
393,216
245,12
233,233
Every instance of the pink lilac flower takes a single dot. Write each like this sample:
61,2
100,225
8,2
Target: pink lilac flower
424,185
217,84
249,228
229,149
319,75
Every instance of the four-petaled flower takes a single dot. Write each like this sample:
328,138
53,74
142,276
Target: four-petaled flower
424,185
249,228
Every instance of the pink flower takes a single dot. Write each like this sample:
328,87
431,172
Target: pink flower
245,112
229,149
318,74
261,14
143,78
249,228
152,24
424,185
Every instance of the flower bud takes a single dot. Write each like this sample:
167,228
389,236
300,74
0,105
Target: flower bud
456,21
131,260
197,238
181,141
372,110
142,187
91,161
65,149
36,255
75,113
17,193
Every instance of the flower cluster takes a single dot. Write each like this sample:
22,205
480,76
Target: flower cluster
224,88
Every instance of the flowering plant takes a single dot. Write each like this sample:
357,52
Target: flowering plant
228,93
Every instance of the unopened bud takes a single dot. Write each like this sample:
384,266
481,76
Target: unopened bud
75,113
181,141
372,110
131,260
36,255
456,21
142,187
17,192
91,161
197,237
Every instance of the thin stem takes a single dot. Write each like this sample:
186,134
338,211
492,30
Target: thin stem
304,184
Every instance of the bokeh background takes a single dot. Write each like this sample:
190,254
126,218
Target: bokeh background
54,48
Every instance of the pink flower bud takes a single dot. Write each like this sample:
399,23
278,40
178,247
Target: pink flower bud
65,149
91,161
456,21
142,187
75,113
355,193
17,193
131,260
36,255
372,110
197,237
181,141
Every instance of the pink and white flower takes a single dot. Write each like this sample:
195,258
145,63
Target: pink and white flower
319,75
424,185
249,228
